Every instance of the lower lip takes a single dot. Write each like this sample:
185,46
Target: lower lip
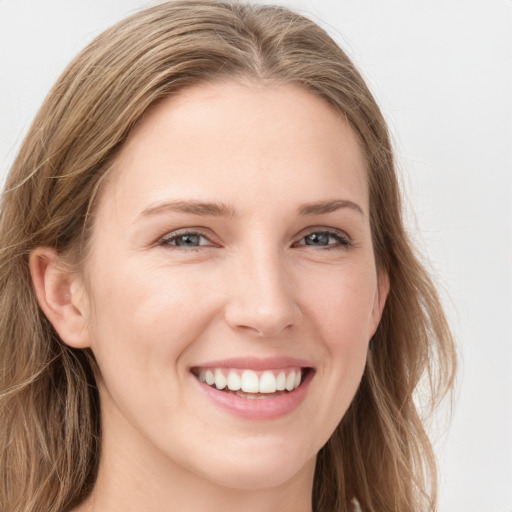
259,408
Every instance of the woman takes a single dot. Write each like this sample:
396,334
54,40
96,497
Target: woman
209,299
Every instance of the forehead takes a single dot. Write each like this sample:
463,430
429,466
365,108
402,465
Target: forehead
230,141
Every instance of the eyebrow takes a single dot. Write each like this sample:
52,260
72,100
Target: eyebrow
328,207
224,210
193,207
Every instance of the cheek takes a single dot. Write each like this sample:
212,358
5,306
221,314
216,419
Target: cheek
164,301
341,302
145,320
341,306
144,316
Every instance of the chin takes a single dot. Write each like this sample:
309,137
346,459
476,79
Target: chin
249,477
264,468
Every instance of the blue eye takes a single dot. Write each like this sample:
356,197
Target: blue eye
193,240
185,240
326,239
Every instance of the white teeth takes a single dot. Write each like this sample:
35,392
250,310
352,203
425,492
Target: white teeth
297,379
267,383
281,381
210,378
234,381
250,382
220,380
290,381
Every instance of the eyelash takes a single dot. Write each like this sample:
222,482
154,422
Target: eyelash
167,239
342,239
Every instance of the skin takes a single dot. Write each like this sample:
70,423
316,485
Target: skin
151,310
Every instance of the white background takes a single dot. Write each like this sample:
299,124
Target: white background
442,72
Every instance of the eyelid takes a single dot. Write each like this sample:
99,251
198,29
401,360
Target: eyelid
344,238
163,241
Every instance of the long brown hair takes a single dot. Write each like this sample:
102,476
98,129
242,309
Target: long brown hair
50,429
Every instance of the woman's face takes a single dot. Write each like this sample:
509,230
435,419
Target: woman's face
232,245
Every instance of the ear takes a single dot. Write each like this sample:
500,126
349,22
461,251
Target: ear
61,296
381,296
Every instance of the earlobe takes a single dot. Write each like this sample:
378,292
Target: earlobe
61,296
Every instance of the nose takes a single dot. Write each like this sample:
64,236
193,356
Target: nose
262,297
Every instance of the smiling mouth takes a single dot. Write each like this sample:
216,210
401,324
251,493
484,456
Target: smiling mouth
252,384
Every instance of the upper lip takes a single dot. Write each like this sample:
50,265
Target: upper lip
257,363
